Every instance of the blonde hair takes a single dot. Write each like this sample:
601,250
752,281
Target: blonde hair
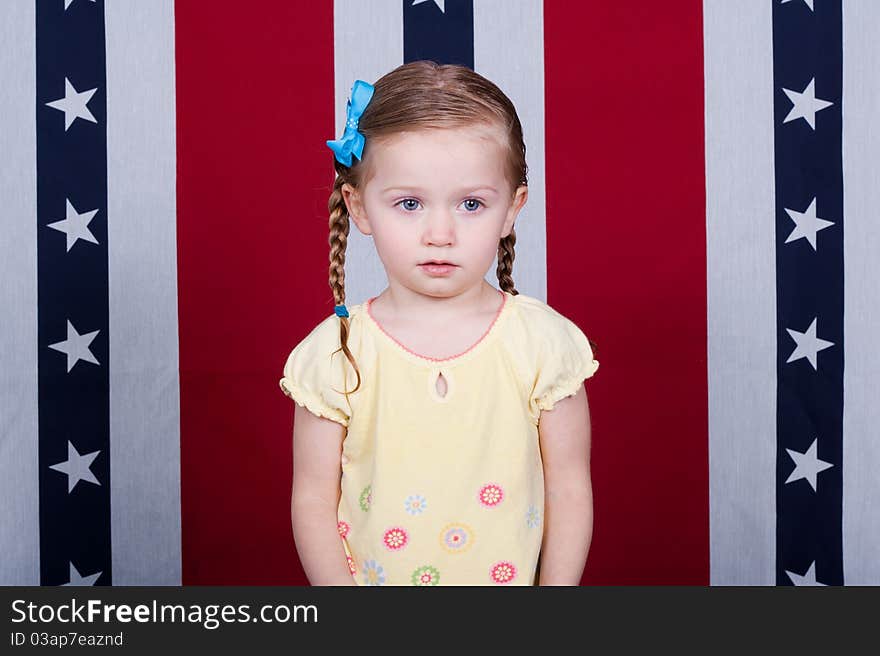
424,95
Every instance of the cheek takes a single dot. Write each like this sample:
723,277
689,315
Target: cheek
488,227
481,243
391,245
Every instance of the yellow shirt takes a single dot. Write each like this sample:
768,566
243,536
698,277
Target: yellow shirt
449,489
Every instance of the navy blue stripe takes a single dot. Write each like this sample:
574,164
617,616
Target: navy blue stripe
72,286
446,37
809,285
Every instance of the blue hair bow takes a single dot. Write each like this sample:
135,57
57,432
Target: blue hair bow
352,142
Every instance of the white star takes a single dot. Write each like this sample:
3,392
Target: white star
75,226
806,224
67,3
77,467
807,465
74,104
807,578
805,104
439,3
76,346
808,345
76,579
809,3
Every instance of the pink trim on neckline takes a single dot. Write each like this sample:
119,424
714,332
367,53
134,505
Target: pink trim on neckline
451,357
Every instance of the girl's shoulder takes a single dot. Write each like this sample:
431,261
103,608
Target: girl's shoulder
316,369
325,339
539,332
327,332
534,315
552,352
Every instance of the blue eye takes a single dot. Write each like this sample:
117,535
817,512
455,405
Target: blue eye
472,204
409,204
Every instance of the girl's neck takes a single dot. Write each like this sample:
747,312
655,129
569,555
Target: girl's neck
400,305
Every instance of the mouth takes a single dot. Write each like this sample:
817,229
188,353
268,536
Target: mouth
437,263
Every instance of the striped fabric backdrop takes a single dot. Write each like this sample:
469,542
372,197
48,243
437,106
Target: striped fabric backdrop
703,191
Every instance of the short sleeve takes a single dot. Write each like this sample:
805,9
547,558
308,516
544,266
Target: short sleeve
314,374
565,361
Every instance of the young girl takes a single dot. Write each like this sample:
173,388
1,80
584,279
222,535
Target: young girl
441,434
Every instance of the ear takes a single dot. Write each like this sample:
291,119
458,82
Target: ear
519,199
354,204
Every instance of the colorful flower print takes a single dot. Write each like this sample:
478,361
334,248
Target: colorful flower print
351,566
373,573
395,538
366,499
456,538
343,528
415,504
491,495
533,517
502,572
425,576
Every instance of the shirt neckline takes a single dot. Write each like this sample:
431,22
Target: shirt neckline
506,302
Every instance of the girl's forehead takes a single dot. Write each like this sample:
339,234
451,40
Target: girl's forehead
477,135
439,151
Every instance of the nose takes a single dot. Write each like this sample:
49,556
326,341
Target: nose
439,228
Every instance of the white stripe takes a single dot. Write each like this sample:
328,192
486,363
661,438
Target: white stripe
368,42
141,217
740,210
861,202
509,50
19,480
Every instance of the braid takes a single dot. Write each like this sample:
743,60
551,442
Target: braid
338,240
506,254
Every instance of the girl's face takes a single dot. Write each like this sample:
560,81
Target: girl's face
438,195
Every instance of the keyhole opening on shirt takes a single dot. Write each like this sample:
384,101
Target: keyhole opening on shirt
440,385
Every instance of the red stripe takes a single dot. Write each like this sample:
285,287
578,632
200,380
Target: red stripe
255,102
626,241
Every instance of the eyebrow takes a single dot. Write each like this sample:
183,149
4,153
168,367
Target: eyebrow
419,190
